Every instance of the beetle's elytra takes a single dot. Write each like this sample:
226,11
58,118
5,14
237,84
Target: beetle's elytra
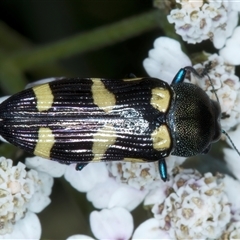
89,120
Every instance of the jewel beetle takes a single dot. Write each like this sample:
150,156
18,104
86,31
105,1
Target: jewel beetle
82,120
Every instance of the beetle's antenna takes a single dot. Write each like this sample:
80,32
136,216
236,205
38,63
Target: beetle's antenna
233,145
204,72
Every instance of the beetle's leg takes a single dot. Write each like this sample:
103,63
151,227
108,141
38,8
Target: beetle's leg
204,72
180,76
162,169
130,75
80,166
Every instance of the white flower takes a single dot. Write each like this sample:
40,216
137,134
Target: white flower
232,47
230,187
101,193
142,175
88,177
150,230
227,87
137,175
165,59
196,22
196,207
232,232
105,186
20,191
43,188
52,168
28,227
221,34
158,194
112,194
114,224
79,236
233,228
230,154
235,5
190,4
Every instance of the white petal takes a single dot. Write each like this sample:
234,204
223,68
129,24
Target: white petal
190,4
232,22
115,223
229,54
230,155
235,5
150,230
231,48
154,69
234,135
127,197
101,194
43,189
230,186
236,34
165,59
167,43
219,38
88,177
46,183
173,161
157,195
38,202
232,159
4,98
79,236
53,168
27,228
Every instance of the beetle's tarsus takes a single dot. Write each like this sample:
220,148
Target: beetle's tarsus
130,75
80,166
163,169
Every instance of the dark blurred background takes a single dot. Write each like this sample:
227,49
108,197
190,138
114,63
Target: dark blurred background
42,22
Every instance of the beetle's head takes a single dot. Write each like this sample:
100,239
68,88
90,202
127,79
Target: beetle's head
194,120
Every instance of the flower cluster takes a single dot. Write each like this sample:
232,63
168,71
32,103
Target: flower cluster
17,187
194,207
189,206
196,21
22,193
226,87
193,201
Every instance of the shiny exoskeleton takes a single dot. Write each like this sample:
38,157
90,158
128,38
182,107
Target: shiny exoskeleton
80,120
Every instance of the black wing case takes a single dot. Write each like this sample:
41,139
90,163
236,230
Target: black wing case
83,120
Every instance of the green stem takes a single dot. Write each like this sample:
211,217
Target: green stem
87,41
11,40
